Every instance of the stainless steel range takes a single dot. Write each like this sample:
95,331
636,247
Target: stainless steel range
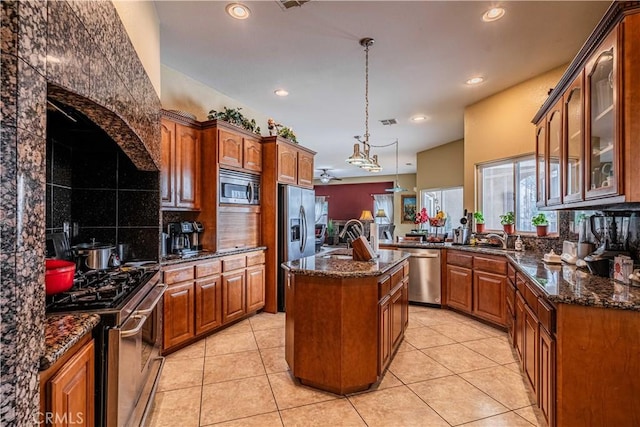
128,339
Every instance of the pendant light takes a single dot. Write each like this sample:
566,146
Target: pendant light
363,158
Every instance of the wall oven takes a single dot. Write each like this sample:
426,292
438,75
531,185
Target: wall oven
239,188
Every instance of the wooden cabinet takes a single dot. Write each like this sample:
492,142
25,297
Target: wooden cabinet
546,367
305,169
255,288
384,333
519,326
287,164
530,349
534,341
229,148
241,227
459,288
67,388
294,163
208,308
598,107
239,150
233,295
489,296
180,166
204,295
179,314
393,312
476,284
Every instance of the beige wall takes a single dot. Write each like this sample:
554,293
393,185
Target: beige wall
181,92
500,126
141,22
407,181
441,167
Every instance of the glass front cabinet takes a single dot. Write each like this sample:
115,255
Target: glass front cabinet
603,143
588,131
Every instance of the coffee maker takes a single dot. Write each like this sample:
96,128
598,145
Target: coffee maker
611,231
184,237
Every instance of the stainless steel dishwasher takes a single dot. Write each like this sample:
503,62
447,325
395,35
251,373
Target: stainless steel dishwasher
424,275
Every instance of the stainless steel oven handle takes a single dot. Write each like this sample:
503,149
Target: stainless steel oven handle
124,333
147,308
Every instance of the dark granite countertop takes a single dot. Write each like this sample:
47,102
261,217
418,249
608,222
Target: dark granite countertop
339,264
174,259
62,331
561,283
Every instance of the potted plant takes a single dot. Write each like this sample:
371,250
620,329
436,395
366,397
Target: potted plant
479,219
541,223
235,117
507,220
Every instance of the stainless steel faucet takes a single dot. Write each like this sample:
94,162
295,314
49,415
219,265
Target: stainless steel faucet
352,229
502,237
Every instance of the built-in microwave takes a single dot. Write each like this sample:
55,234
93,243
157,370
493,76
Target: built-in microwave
239,188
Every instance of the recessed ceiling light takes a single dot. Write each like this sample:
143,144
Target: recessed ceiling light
238,10
281,92
493,14
475,80
419,118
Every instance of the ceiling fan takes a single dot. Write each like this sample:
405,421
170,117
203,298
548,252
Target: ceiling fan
326,177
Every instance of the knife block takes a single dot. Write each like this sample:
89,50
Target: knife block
362,251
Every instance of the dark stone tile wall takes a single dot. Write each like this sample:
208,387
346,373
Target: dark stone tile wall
91,183
101,76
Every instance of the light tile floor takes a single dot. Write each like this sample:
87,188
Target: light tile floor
450,370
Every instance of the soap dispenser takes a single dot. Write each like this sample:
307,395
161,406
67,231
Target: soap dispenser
519,245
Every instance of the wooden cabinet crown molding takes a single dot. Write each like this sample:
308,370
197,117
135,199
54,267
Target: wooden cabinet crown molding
614,15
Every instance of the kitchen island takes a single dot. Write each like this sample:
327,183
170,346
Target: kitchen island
344,319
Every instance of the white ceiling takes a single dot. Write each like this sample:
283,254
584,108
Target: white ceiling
424,52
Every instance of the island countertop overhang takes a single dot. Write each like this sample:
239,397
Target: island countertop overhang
332,264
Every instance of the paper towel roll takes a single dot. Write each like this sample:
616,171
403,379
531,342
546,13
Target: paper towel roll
373,237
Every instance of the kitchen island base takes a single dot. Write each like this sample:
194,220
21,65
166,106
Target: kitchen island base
341,331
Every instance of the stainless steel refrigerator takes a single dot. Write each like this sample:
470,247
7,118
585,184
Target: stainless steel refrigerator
296,229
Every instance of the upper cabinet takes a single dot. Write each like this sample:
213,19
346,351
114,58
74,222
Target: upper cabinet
238,149
180,169
588,129
294,163
603,143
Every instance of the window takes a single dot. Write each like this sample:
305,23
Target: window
510,185
448,200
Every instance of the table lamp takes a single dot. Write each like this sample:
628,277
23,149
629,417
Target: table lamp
381,214
366,215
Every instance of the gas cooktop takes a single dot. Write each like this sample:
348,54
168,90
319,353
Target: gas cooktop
101,289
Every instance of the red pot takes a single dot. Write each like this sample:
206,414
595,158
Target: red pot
508,228
479,228
59,275
541,230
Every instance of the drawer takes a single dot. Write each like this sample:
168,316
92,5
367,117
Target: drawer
405,268
255,258
180,274
459,258
490,264
208,268
396,276
384,287
546,315
531,296
234,263
511,272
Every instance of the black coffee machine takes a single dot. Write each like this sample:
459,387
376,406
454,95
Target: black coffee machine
184,237
611,231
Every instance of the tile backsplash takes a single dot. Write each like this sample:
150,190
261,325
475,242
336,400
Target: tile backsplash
95,188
